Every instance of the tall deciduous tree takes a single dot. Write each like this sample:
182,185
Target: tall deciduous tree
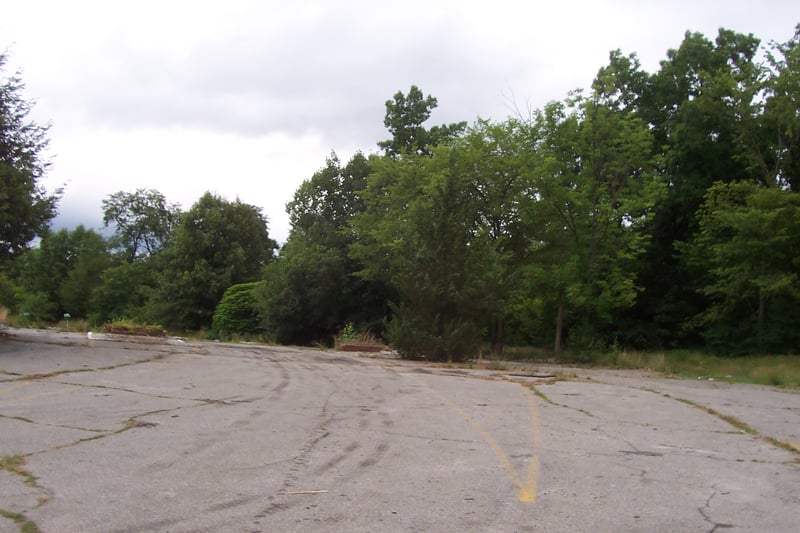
782,113
310,292
595,189
26,208
497,168
405,116
59,276
703,108
748,245
421,235
217,244
142,221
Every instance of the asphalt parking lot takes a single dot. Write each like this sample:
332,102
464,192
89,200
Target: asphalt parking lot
111,435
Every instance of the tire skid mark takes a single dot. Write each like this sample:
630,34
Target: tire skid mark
300,461
278,390
376,456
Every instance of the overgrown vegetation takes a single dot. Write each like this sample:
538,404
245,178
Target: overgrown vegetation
647,214
127,327
24,525
349,335
775,370
15,464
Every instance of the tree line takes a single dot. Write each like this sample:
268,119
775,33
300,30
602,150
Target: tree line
651,210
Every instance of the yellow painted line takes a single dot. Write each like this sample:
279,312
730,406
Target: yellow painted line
526,491
34,396
15,386
533,464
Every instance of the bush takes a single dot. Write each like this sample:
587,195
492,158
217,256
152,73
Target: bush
440,340
237,312
126,327
8,294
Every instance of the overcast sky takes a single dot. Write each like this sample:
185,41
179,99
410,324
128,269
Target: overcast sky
247,98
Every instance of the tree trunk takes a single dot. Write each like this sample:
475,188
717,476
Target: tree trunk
497,336
559,323
761,305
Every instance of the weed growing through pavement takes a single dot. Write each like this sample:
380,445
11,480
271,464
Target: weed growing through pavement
15,464
25,525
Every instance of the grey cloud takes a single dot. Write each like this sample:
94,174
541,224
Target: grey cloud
308,78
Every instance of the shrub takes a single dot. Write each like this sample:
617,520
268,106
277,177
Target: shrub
439,340
237,312
127,327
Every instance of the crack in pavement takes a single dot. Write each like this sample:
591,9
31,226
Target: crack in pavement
132,422
705,510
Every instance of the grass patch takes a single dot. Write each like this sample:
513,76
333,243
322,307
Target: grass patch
497,365
774,370
742,426
75,325
128,327
15,464
732,420
24,525
542,396
523,353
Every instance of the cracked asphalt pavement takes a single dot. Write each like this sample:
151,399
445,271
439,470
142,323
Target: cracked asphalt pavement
113,435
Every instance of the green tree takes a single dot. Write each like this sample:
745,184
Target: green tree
497,167
217,244
420,235
142,220
310,292
60,275
124,292
782,112
405,116
306,293
596,186
26,208
703,108
749,246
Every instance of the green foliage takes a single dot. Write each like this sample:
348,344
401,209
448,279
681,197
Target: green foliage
129,327
124,291
142,220
217,244
596,188
781,118
655,210
350,335
26,208
60,275
436,337
703,107
749,245
8,293
405,115
238,312
419,236
310,292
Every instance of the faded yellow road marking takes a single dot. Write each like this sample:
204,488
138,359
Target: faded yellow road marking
15,386
20,384
526,491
